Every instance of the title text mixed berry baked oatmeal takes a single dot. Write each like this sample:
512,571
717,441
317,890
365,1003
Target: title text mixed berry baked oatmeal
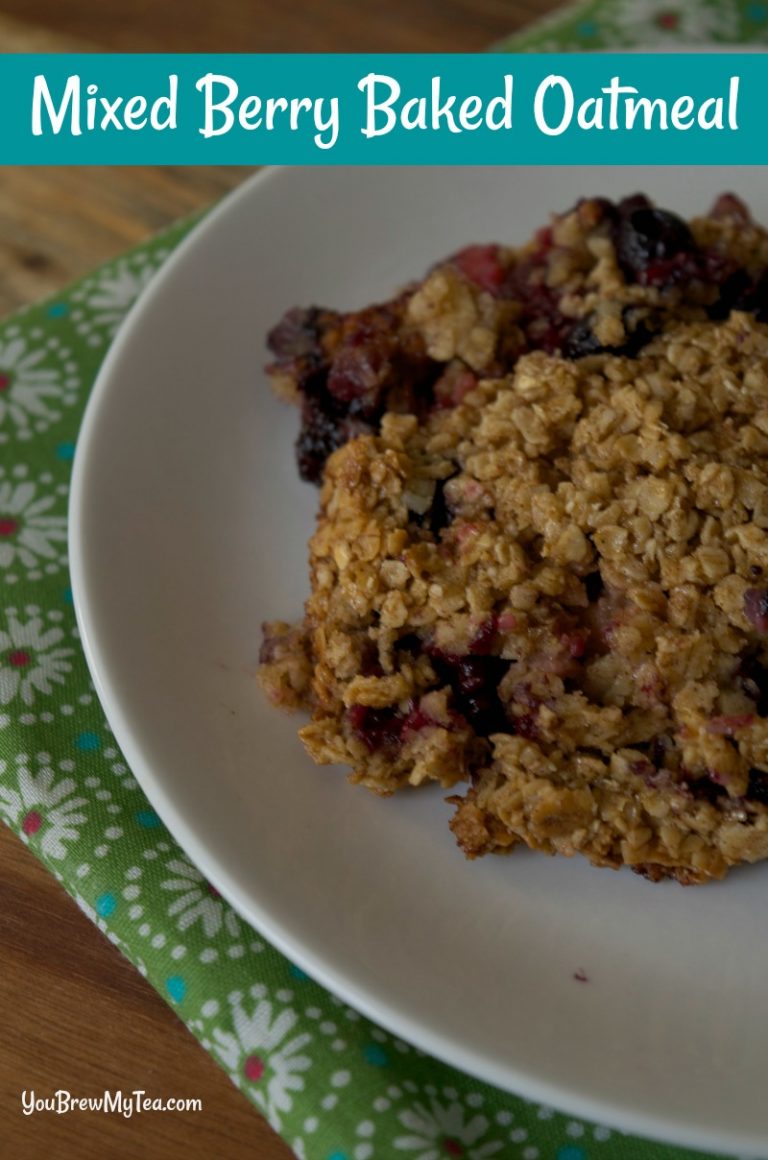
540,570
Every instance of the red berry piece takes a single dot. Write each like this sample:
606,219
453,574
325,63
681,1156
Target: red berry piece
376,728
482,265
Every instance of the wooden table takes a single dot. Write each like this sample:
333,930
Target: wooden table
73,1012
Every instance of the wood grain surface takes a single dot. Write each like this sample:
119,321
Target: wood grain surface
74,1013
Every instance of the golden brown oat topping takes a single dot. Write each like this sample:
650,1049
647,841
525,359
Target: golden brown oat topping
603,277
554,583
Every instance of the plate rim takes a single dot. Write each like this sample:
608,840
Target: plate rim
333,978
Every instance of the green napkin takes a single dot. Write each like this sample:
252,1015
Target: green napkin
333,1084
654,24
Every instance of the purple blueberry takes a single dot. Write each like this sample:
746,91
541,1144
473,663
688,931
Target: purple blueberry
646,237
475,684
581,341
298,334
320,434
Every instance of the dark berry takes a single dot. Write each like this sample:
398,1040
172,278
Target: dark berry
370,665
648,241
476,685
739,291
544,324
639,333
471,674
635,201
752,678
594,586
474,682
757,787
297,334
376,728
734,294
409,643
541,319
758,304
320,434
481,643
756,608
357,373
703,789
581,341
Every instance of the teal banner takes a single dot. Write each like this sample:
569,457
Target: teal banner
384,109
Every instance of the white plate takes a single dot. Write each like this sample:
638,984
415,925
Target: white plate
189,527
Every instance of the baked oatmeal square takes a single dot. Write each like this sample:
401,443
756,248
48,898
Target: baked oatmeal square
540,569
